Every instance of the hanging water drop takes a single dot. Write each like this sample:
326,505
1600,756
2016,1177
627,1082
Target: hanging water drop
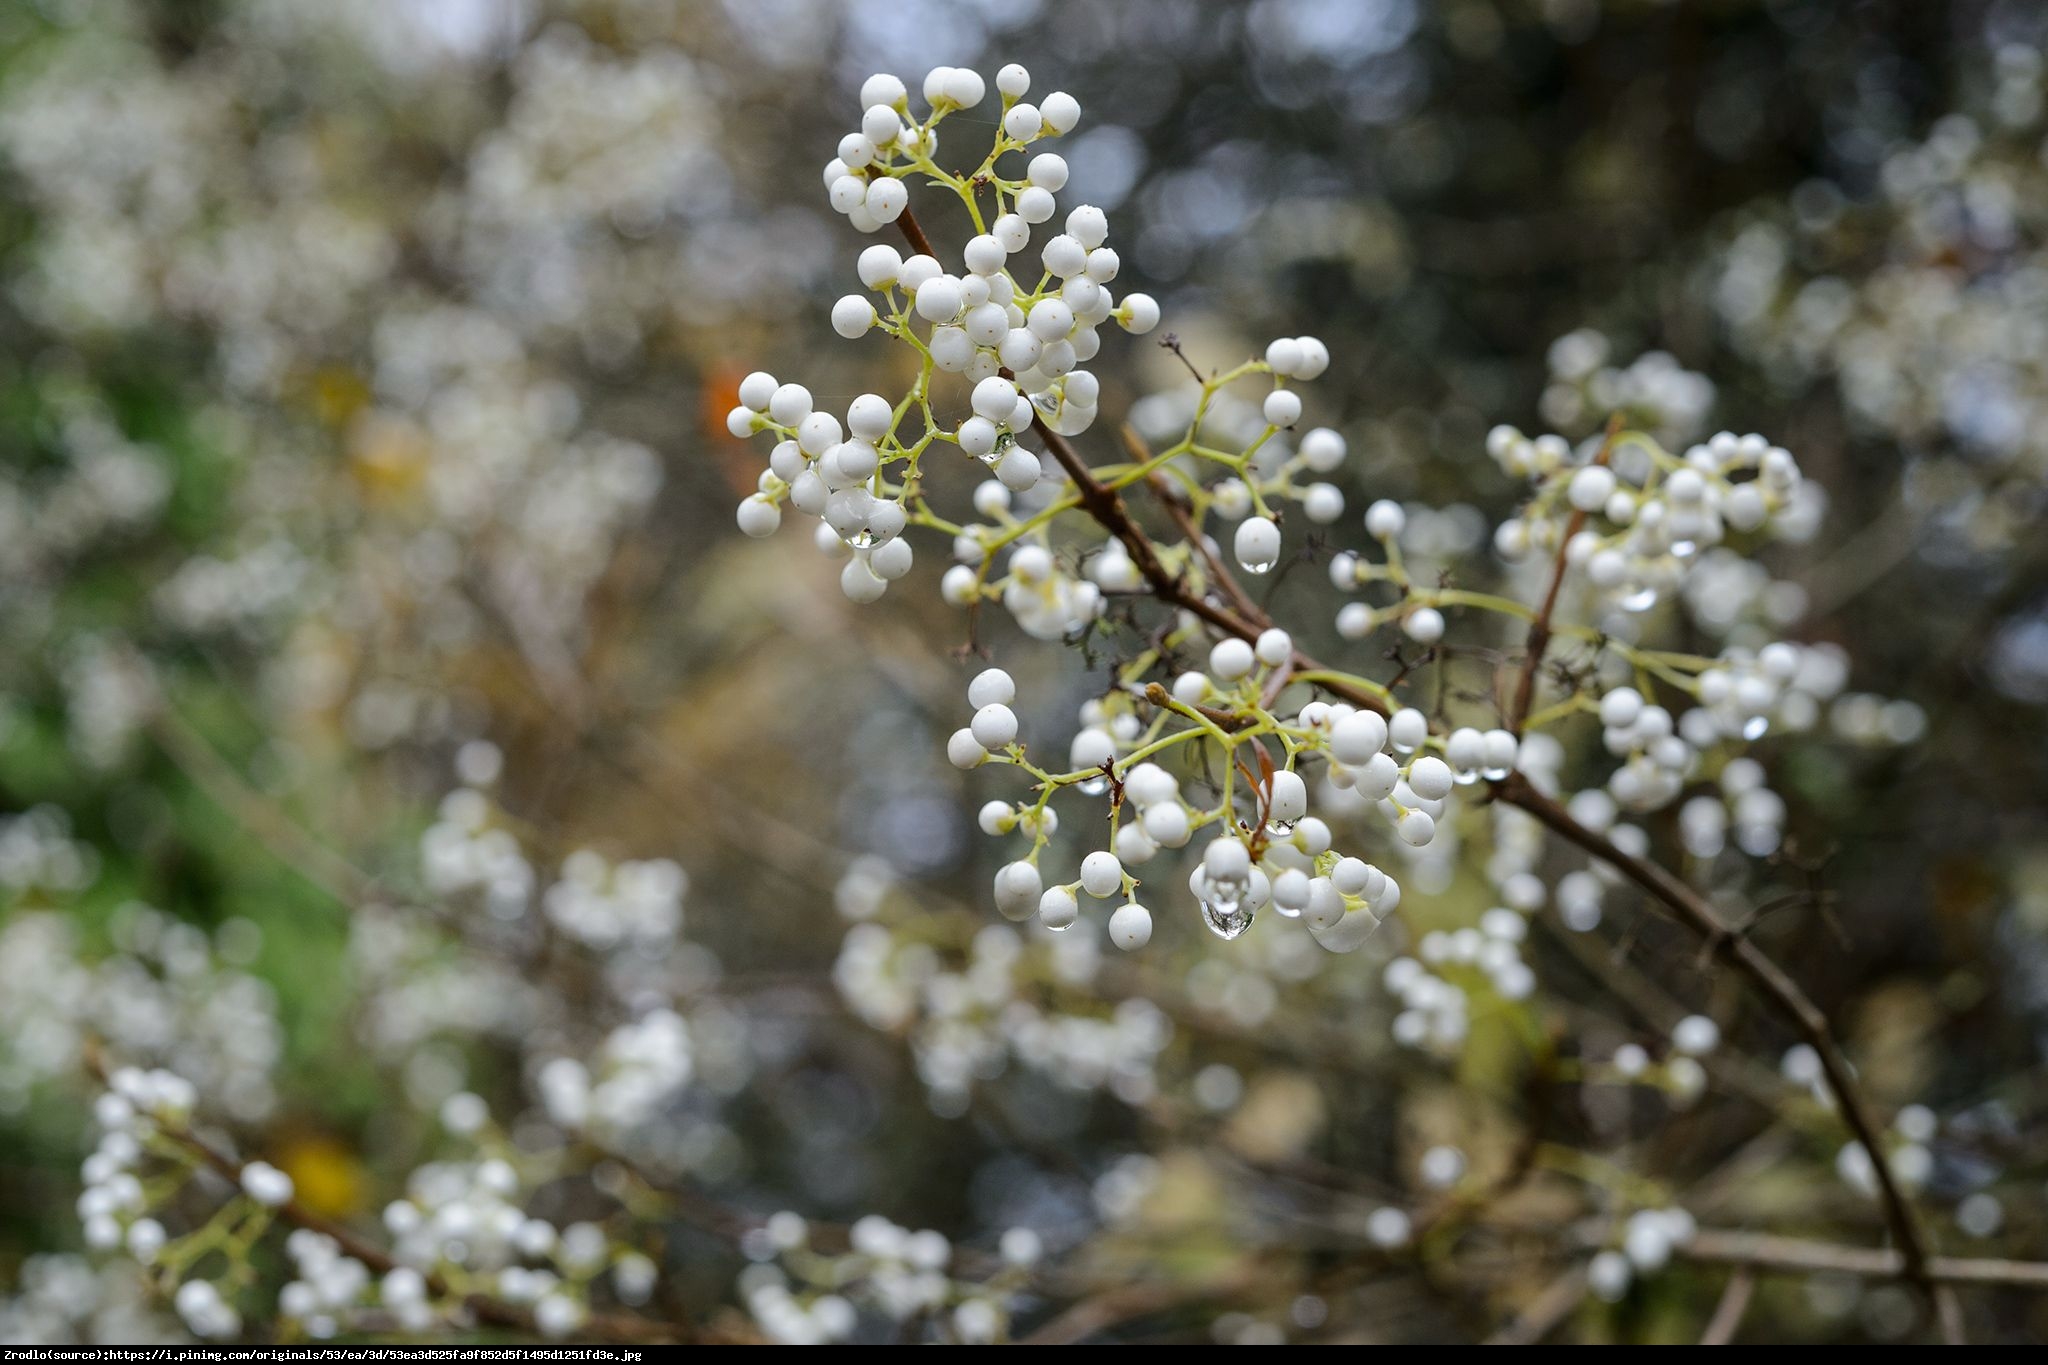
1226,909
1227,919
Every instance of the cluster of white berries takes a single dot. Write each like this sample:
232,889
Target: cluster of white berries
1017,337
205,1311
1742,808
1908,1153
464,854
966,1022
112,1207
1433,986
327,1286
1274,852
58,1299
1680,1073
115,1206
1644,515
171,995
641,1067
801,1295
604,905
463,1219
1648,1238
1656,392
459,1216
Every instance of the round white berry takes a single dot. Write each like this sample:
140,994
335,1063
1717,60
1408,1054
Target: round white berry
1425,625
1130,927
1357,737
963,750
1322,450
1385,520
1102,876
1060,110
994,726
883,88
1315,358
1057,908
853,316
994,398
991,687
1430,778
1257,544
1591,487
756,389
759,517
1323,503
1023,122
1050,319
1018,888
1231,659
886,199
789,404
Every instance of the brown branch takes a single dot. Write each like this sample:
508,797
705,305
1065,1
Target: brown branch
913,233
1730,1311
1799,1256
1184,522
1106,506
1771,979
1126,1303
1539,629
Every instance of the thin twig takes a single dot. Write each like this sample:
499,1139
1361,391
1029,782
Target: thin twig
1776,986
1539,629
258,814
1557,1301
1733,1307
1128,1302
1797,1255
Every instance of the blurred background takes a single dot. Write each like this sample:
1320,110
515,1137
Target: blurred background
363,372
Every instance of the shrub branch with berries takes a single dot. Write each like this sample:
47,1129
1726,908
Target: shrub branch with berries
1613,527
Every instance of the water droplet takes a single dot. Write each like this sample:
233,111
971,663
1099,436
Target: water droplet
862,539
1496,774
1059,928
1279,829
1263,566
1642,599
1227,918
1284,912
1093,786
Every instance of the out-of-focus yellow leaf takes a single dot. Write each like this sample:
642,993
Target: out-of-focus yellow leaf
328,1176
